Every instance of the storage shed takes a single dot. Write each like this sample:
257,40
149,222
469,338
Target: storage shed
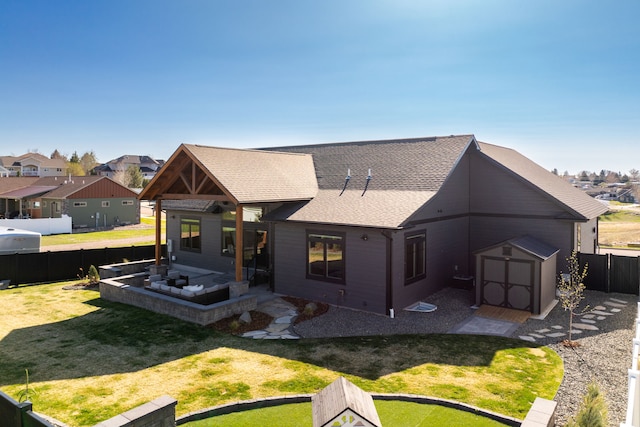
519,273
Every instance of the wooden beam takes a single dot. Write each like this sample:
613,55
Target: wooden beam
214,197
239,243
158,212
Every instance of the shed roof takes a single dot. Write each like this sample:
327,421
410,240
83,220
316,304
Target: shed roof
575,200
528,244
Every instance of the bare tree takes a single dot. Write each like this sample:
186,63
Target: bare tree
571,288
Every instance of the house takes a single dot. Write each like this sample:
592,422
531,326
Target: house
9,204
372,225
31,164
147,165
91,201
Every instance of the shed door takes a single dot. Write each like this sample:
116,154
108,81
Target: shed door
507,283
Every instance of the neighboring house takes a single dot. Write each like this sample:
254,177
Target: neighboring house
373,225
9,204
91,201
147,165
32,164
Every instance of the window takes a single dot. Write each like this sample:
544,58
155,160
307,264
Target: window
325,255
415,257
106,203
127,203
190,234
79,204
229,241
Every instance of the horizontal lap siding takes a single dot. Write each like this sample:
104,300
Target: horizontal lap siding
496,191
487,231
447,246
210,237
365,287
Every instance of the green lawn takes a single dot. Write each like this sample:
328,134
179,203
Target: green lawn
390,413
90,360
117,233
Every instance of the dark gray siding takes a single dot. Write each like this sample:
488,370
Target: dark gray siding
489,230
365,287
210,256
447,248
494,190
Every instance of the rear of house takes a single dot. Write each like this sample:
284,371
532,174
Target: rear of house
377,226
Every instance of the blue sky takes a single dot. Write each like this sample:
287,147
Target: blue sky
556,80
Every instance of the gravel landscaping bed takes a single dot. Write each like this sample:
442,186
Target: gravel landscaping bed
604,355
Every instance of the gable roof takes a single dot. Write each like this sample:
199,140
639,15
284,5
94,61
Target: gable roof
102,187
416,164
405,174
527,244
576,201
241,176
42,160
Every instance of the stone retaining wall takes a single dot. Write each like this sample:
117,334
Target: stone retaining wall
120,291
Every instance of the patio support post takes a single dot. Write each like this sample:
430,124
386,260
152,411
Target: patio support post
239,243
158,212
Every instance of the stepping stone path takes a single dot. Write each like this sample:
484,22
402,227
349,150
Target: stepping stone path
586,322
283,314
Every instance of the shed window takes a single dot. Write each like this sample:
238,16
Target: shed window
127,203
325,255
79,204
106,203
190,234
415,259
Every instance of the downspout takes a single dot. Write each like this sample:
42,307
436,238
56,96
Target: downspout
389,278
239,243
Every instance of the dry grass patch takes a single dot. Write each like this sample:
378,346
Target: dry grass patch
90,360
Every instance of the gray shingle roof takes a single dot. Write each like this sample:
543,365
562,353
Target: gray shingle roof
418,164
376,208
575,200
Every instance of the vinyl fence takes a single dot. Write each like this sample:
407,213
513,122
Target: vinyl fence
612,273
66,265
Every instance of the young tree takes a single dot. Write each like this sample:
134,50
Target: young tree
571,289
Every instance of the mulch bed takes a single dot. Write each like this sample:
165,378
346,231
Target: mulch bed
231,325
83,286
301,303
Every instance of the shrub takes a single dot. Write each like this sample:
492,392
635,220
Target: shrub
93,276
593,411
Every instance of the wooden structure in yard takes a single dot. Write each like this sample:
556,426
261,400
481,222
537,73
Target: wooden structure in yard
344,404
517,274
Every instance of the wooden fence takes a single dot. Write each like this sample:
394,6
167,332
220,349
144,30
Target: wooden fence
612,273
